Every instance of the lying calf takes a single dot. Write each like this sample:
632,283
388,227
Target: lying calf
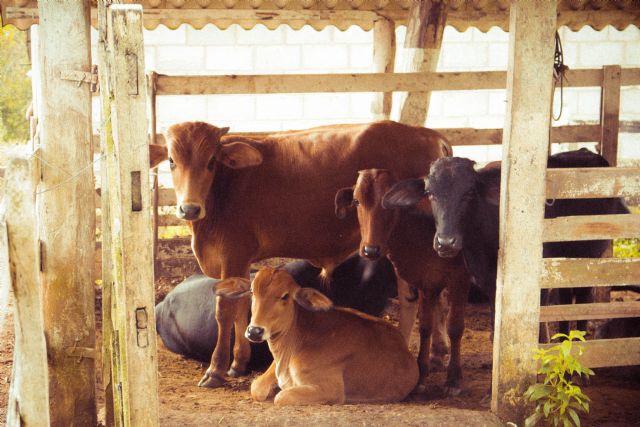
322,353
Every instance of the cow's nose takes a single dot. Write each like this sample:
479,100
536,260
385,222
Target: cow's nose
445,241
371,251
254,333
189,211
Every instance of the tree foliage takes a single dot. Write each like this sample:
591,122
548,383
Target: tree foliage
15,85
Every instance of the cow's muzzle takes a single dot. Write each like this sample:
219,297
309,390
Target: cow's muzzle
254,333
189,211
446,246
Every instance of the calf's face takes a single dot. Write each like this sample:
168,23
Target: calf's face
274,298
376,223
195,152
450,187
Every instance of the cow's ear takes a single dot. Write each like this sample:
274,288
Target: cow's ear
233,288
223,131
312,299
157,154
489,189
404,194
343,201
238,155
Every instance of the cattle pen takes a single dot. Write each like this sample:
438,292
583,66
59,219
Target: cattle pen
48,228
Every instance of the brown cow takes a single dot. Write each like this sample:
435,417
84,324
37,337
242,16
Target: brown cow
400,235
247,199
322,354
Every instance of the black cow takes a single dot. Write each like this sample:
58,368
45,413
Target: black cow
464,204
185,319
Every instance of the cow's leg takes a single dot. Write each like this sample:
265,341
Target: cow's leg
330,390
458,294
565,296
266,385
241,348
428,300
440,343
225,314
408,308
583,296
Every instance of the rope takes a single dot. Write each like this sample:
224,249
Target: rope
559,70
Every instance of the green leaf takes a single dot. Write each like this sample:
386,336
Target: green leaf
566,348
574,416
538,391
532,419
547,408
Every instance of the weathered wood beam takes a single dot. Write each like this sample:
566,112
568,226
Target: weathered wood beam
526,136
582,183
610,352
587,272
136,363
384,55
19,268
591,227
427,19
594,311
610,113
363,82
66,210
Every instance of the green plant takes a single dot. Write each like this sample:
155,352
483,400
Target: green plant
558,400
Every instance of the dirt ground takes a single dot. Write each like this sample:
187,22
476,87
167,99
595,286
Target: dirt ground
615,393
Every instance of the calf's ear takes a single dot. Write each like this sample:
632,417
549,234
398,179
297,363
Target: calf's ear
233,288
404,194
238,155
157,154
312,299
343,201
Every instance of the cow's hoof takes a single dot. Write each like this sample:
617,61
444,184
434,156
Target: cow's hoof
451,391
235,374
211,381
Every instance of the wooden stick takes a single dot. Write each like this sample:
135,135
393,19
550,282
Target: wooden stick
384,55
587,272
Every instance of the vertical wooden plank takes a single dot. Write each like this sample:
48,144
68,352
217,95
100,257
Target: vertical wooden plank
384,56
131,247
526,134
66,210
610,113
151,92
427,19
29,392
106,139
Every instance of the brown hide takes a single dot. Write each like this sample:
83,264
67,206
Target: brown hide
406,239
276,198
323,354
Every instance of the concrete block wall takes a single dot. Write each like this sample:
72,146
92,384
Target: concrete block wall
261,51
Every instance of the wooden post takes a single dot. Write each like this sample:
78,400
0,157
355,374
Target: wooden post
427,19
29,391
106,138
384,56
136,364
66,208
608,147
526,134
151,82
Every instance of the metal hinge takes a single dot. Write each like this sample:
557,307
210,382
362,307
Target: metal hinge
83,77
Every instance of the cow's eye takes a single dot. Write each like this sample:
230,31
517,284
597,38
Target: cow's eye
284,297
355,202
211,163
172,164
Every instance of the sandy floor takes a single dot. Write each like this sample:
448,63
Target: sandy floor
615,394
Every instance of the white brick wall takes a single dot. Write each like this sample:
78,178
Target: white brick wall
261,51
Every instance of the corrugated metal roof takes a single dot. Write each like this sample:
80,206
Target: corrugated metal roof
481,14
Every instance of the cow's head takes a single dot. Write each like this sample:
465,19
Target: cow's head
375,222
451,187
274,298
195,152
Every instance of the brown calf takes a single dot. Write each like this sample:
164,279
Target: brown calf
247,199
322,354
402,236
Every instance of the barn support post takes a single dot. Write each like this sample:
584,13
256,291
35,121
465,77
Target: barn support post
136,364
106,138
66,208
384,56
526,134
427,19
152,79
29,391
